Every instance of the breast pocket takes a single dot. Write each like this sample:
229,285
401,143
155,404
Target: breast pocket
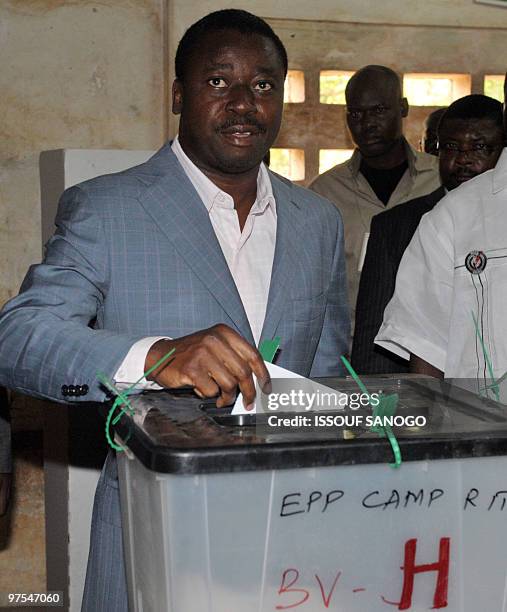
308,309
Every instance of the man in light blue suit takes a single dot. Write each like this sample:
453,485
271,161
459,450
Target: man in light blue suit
200,249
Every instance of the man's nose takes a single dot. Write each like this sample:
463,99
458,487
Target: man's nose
369,121
464,157
241,99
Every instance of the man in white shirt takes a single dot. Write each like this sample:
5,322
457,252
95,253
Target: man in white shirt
200,249
469,120
448,310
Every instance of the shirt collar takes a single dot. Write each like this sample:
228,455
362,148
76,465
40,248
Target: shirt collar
417,162
211,195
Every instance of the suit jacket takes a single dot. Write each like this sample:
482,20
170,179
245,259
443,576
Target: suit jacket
135,252
390,234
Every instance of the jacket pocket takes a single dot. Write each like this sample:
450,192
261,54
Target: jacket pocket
308,309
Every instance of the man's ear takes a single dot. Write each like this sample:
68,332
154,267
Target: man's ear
177,97
404,107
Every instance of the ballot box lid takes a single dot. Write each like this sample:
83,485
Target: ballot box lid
179,433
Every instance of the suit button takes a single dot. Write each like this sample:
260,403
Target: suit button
72,390
84,389
65,390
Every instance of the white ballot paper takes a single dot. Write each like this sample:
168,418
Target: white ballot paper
322,397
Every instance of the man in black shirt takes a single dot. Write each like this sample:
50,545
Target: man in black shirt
383,181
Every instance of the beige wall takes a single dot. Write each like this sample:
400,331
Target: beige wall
74,74
415,12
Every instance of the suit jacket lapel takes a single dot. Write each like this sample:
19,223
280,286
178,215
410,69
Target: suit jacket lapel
179,212
287,238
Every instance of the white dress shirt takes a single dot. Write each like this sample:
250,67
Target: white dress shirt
248,253
437,295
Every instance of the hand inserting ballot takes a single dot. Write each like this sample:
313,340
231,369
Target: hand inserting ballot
214,361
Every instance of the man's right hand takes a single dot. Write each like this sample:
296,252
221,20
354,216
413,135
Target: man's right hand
213,361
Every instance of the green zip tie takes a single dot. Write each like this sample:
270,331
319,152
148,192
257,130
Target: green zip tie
122,399
356,378
268,349
494,383
386,407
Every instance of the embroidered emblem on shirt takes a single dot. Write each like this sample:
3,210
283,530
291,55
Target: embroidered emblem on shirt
475,262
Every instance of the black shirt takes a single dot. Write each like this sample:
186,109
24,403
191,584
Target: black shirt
383,181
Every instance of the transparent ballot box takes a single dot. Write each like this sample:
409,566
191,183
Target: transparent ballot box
225,513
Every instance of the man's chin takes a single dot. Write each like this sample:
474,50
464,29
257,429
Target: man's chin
239,164
374,150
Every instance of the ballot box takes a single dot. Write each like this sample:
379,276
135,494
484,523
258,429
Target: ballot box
227,513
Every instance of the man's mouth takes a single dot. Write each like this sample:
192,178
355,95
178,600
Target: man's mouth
241,130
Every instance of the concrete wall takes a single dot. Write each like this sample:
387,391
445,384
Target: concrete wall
75,74
465,13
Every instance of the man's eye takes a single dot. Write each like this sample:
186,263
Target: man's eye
263,86
380,110
354,115
217,82
449,146
480,146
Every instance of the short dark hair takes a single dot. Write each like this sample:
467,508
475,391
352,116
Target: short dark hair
227,19
475,106
364,74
